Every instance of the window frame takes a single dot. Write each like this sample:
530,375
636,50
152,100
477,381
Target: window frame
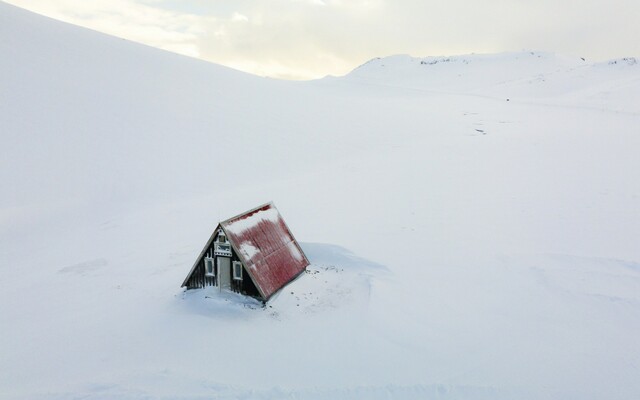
234,265
213,267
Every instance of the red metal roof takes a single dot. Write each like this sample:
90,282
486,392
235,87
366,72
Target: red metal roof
268,250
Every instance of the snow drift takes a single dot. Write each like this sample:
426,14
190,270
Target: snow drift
462,245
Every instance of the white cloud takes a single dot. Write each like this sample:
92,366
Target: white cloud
311,38
237,17
128,19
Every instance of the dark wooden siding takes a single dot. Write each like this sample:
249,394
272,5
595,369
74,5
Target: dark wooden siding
199,280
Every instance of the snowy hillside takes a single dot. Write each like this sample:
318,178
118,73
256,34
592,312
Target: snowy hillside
463,246
526,76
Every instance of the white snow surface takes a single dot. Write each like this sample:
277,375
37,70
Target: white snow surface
463,246
248,250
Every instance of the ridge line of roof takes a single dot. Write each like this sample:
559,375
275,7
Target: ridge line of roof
293,239
248,212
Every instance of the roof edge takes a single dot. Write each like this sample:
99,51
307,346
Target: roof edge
206,246
249,212
293,237
296,276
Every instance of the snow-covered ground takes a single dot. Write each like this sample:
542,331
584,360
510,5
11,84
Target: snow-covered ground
473,224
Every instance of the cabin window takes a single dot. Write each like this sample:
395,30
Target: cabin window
222,239
208,266
237,270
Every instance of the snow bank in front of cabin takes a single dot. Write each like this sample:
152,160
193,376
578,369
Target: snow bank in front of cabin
336,279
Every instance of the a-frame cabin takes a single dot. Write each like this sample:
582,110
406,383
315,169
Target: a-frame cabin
253,253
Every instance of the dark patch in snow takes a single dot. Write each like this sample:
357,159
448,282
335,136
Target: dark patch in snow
625,60
84,267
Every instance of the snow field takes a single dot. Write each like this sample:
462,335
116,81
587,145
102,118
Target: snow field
463,246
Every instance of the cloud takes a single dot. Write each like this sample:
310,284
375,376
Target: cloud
130,19
311,38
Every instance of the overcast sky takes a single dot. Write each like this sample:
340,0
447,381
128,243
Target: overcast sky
301,39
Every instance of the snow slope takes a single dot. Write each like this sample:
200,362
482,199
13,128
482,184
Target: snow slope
463,246
543,78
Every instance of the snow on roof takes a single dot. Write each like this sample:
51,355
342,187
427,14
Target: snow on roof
267,248
251,219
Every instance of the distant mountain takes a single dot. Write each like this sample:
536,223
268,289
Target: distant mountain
515,75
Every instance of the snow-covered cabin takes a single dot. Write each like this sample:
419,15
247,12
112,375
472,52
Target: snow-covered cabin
253,253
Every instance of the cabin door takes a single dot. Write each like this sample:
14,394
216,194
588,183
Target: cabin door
224,272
